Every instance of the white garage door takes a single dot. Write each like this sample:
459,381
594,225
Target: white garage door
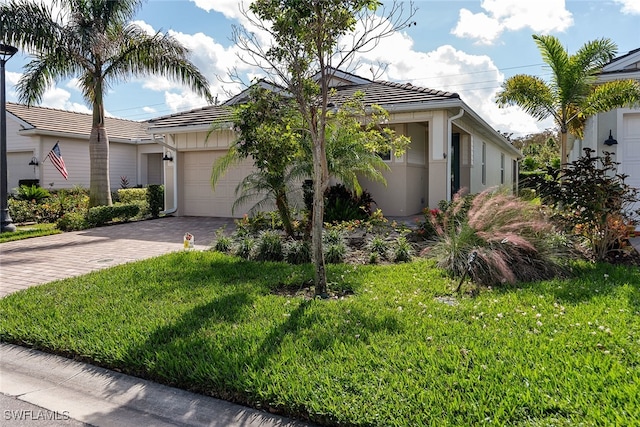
198,198
630,149
18,168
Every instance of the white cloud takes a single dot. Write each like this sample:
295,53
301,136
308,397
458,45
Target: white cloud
631,7
183,101
477,26
149,110
540,16
229,8
74,84
474,77
60,99
145,27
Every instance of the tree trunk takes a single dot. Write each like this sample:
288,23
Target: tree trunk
319,185
99,185
564,155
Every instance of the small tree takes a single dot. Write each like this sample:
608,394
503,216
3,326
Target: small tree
270,132
308,47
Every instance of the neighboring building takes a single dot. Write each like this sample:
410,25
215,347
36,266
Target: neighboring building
452,147
623,124
33,131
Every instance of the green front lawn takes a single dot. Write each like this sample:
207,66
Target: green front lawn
27,231
396,351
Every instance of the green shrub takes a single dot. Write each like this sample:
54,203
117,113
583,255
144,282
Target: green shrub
335,253
61,202
22,211
223,242
335,248
592,201
343,205
101,215
298,252
402,250
131,195
155,199
258,222
269,247
72,221
32,192
378,245
244,247
512,238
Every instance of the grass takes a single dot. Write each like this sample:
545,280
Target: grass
27,231
400,351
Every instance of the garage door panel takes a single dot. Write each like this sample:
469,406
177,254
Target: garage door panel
199,199
630,150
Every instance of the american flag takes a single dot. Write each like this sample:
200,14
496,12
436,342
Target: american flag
56,158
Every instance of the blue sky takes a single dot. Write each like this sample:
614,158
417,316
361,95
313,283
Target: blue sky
469,47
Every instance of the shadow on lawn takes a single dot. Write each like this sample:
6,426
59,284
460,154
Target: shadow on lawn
216,348
590,281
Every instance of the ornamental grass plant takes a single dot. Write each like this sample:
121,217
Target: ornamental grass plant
512,239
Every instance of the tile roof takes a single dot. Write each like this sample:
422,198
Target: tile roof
386,94
198,117
73,123
382,93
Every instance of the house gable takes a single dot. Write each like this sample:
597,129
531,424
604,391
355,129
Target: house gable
623,67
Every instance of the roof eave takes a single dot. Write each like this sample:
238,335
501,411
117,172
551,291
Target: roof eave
82,136
186,128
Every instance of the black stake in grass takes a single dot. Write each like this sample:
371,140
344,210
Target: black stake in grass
470,261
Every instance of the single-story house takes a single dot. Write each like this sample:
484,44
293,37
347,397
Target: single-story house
33,131
452,147
616,131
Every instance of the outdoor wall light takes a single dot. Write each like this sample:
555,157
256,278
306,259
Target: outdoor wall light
610,141
167,157
33,162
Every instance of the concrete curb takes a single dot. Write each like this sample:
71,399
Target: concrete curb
72,390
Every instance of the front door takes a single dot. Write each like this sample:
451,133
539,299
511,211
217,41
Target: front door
455,163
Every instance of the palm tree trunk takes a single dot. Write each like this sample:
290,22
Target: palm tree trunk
99,185
564,155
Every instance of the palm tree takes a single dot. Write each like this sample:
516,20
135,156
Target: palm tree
95,41
572,94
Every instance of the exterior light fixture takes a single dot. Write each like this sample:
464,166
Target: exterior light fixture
6,223
167,157
610,141
33,162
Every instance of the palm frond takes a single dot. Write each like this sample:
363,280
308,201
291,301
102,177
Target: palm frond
222,164
530,93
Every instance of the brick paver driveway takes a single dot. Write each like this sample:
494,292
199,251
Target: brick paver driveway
34,261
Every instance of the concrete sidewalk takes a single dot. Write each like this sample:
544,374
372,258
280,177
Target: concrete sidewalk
66,392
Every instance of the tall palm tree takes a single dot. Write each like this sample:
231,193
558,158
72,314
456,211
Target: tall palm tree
95,41
572,94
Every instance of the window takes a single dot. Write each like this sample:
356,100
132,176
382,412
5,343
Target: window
484,163
386,156
502,168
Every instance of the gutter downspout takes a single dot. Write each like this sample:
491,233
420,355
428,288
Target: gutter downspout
449,141
175,175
